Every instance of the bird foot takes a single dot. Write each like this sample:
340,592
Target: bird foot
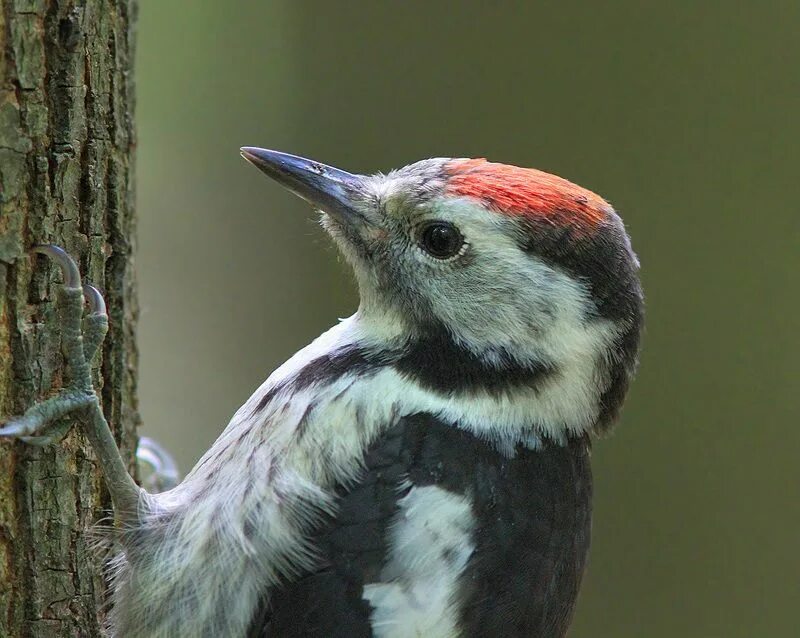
46,422
157,468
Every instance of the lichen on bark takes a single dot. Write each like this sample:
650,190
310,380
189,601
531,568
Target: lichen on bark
66,177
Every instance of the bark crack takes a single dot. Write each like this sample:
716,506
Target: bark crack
65,131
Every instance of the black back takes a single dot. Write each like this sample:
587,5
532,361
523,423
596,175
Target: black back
533,518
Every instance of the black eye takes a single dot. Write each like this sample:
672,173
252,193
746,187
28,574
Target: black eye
441,240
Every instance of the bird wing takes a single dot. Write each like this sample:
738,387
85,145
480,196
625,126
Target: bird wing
442,535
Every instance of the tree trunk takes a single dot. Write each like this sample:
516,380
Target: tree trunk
66,177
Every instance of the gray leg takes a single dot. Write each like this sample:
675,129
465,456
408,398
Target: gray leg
40,424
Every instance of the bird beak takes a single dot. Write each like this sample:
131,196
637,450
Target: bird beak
324,187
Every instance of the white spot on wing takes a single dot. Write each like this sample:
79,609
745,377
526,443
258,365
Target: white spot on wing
431,542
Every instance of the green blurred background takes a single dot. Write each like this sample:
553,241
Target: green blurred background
685,115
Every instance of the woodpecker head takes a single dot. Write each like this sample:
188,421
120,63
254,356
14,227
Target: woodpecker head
517,268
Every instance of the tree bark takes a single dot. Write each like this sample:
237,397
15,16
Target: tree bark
66,177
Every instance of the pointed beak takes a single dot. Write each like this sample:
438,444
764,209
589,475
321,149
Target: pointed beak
324,187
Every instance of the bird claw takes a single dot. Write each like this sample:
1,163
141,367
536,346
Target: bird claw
46,434
69,269
163,470
81,336
43,423
95,301
17,429
53,436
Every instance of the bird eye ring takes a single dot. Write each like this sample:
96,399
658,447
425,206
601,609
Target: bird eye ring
441,240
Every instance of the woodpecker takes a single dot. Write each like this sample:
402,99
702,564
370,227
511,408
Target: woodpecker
420,469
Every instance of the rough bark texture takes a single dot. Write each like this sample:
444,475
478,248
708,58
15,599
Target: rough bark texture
66,177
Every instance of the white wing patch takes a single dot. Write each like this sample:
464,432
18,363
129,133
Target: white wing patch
431,541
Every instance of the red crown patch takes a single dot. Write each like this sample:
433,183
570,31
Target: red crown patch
526,191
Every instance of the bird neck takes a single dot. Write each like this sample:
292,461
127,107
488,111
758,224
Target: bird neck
267,480
550,389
